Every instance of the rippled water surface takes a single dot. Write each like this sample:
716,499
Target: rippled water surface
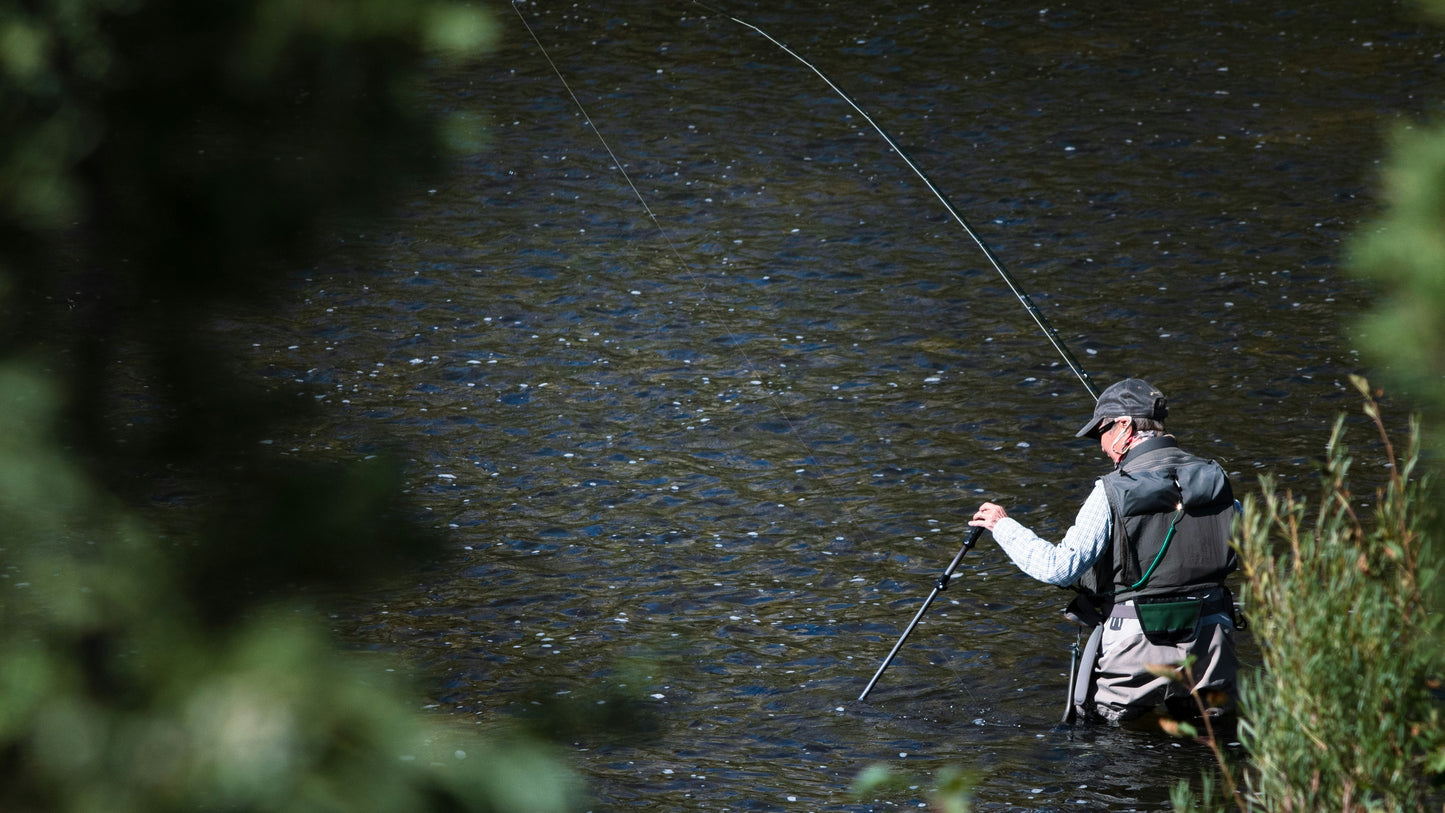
718,449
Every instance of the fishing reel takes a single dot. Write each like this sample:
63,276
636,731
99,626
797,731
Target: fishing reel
1084,612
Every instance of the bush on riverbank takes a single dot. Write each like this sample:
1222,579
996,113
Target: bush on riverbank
1343,715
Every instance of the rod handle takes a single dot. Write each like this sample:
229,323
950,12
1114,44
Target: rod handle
972,537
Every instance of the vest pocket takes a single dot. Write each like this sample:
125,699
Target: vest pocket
1169,619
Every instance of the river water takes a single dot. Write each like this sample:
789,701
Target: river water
709,456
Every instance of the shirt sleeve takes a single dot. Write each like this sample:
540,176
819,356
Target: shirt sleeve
1064,563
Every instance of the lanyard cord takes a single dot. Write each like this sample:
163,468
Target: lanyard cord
1160,555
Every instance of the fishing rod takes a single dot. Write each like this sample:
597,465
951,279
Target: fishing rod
937,588
1013,284
1008,278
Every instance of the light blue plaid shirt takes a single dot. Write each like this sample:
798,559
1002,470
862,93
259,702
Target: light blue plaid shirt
1064,563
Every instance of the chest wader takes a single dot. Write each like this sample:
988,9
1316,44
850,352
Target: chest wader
1171,510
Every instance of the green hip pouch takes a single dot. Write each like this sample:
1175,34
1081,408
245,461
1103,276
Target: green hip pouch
1169,620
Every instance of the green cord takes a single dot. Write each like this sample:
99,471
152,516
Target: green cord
1162,548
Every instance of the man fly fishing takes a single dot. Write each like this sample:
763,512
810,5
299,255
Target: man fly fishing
1160,500
1148,552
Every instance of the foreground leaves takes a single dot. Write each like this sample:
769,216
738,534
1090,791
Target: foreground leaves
116,696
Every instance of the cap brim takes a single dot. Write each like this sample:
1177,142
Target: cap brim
1091,429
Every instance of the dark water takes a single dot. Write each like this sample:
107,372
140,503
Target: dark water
722,457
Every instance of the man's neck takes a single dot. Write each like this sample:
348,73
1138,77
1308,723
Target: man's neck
1140,445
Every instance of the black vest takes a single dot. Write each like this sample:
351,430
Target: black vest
1145,495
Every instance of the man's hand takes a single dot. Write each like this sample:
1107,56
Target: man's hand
988,515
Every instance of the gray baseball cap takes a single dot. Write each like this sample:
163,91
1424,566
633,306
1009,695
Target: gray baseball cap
1130,398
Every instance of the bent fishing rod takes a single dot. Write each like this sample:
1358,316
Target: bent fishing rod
1013,284
1008,278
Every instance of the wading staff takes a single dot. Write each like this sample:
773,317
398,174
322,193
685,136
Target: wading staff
937,588
1008,278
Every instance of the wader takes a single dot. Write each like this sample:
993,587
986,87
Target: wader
1157,594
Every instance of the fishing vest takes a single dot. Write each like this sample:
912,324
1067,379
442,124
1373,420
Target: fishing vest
1157,486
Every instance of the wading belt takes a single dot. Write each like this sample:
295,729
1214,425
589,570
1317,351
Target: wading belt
1213,605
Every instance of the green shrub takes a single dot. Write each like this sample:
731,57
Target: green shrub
1342,715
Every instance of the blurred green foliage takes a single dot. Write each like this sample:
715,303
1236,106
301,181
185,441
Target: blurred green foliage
951,790
162,165
1403,254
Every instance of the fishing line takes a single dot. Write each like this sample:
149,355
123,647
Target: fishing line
687,270
1008,278
733,340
